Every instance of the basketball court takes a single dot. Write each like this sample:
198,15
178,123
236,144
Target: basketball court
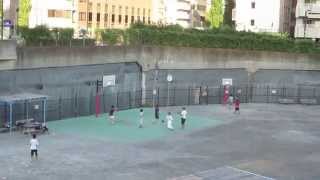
264,142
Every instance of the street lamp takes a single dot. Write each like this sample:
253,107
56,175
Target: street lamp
2,14
305,22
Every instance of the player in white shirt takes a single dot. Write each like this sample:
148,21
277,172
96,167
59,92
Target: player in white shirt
169,121
183,117
34,143
141,119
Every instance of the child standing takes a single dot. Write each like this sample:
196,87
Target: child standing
237,106
34,143
156,113
169,121
112,114
230,101
141,119
183,117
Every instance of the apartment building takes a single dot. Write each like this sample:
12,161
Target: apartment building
308,19
186,13
198,13
264,16
53,14
108,14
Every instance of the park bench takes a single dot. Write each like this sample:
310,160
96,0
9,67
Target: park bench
309,101
286,101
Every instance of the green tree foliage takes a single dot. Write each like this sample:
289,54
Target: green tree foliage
215,14
24,11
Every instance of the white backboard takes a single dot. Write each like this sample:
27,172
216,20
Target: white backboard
227,82
109,80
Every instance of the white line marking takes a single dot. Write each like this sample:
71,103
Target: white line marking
236,169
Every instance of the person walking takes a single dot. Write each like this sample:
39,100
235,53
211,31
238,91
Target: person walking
230,101
156,113
34,143
112,114
237,106
169,121
141,119
183,117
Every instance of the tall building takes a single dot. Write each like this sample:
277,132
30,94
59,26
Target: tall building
53,14
9,17
263,16
186,13
308,19
108,14
198,13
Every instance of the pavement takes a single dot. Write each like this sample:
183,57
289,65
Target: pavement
266,141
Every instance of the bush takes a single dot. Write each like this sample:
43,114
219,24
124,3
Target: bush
224,37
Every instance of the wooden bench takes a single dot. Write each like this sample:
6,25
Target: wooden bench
309,101
286,101
24,121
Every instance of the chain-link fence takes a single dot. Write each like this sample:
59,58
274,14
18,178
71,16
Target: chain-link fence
174,96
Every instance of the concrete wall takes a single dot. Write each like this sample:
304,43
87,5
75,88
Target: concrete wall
8,51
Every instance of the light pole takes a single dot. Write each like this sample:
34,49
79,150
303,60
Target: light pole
169,79
2,14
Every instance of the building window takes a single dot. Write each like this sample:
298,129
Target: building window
82,1
112,18
138,18
132,19
126,19
106,17
120,19
144,19
149,20
82,16
98,17
59,13
132,11
90,6
98,7
90,16
106,8
252,22
253,5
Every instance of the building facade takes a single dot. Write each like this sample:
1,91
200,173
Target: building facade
308,19
186,13
53,14
263,16
109,14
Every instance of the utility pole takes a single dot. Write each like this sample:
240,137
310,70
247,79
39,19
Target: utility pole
2,14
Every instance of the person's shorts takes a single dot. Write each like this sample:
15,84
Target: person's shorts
34,152
111,117
237,109
183,120
157,116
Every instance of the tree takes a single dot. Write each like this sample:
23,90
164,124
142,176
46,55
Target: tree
215,14
24,11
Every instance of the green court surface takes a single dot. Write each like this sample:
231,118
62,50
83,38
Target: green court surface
126,127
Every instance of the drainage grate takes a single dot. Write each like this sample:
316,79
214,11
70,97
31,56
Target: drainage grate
223,173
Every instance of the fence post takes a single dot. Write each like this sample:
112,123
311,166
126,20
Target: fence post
189,95
117,99
268,93
174,96
130,100
207,89
158,96
60,107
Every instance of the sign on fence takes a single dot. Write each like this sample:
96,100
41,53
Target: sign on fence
109,80
227,82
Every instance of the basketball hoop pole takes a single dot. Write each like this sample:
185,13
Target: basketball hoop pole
98,85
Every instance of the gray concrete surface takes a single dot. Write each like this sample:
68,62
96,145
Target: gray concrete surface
277,141
167,58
